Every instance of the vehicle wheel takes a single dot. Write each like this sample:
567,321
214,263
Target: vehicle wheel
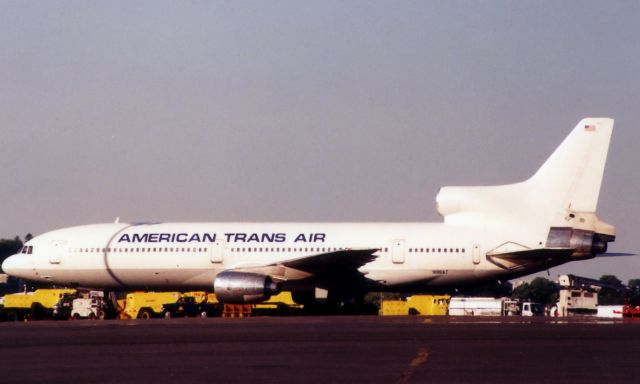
101,315
204,314
12,316
167,315
92,316
76,316
144,314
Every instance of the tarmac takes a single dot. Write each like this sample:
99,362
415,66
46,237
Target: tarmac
366,349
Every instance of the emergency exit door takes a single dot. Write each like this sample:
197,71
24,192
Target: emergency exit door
58,249
476,253
217,252
397,252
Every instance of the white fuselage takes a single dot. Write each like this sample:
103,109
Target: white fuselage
190,255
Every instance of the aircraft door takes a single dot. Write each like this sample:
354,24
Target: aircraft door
476,254
217,252
397,252
58,249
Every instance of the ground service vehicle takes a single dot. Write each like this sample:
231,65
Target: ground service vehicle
489,234
425,305
40,304
428,305
278,305
88,308
394,308
489,306
531,309
187,306
145,305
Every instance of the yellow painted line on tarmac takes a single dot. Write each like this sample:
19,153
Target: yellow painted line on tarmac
420,358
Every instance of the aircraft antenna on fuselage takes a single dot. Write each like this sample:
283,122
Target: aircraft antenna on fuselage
117,220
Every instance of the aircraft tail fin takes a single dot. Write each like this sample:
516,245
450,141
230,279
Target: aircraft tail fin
562,193
572,175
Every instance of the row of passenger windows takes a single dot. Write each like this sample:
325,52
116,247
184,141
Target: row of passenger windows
433,250
243,249
139,250
199,250
293,249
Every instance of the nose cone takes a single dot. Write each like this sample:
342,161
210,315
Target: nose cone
18,265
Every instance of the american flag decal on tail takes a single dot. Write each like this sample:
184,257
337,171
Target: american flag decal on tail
590,128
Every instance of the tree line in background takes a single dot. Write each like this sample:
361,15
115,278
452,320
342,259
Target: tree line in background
539,290
545,291
10,247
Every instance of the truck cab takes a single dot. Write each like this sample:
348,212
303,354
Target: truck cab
532,309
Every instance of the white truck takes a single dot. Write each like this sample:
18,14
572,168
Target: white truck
489,306
91,307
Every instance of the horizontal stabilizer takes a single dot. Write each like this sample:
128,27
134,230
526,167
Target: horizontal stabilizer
520,259
616,254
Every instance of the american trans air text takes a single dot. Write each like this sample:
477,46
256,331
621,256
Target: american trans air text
211,238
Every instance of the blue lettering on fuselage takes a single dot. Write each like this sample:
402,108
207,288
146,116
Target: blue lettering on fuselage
254,237
167,238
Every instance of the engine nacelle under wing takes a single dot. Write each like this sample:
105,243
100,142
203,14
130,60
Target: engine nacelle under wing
243,287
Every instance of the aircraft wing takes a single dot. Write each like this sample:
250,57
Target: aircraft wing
337,265
331,262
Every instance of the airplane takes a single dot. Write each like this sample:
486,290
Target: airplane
489,234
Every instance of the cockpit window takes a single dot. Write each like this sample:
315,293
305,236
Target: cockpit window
27,249
30,249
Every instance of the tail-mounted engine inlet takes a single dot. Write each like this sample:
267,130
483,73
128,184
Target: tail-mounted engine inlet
586,244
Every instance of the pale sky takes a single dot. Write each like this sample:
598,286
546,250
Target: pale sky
306,111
